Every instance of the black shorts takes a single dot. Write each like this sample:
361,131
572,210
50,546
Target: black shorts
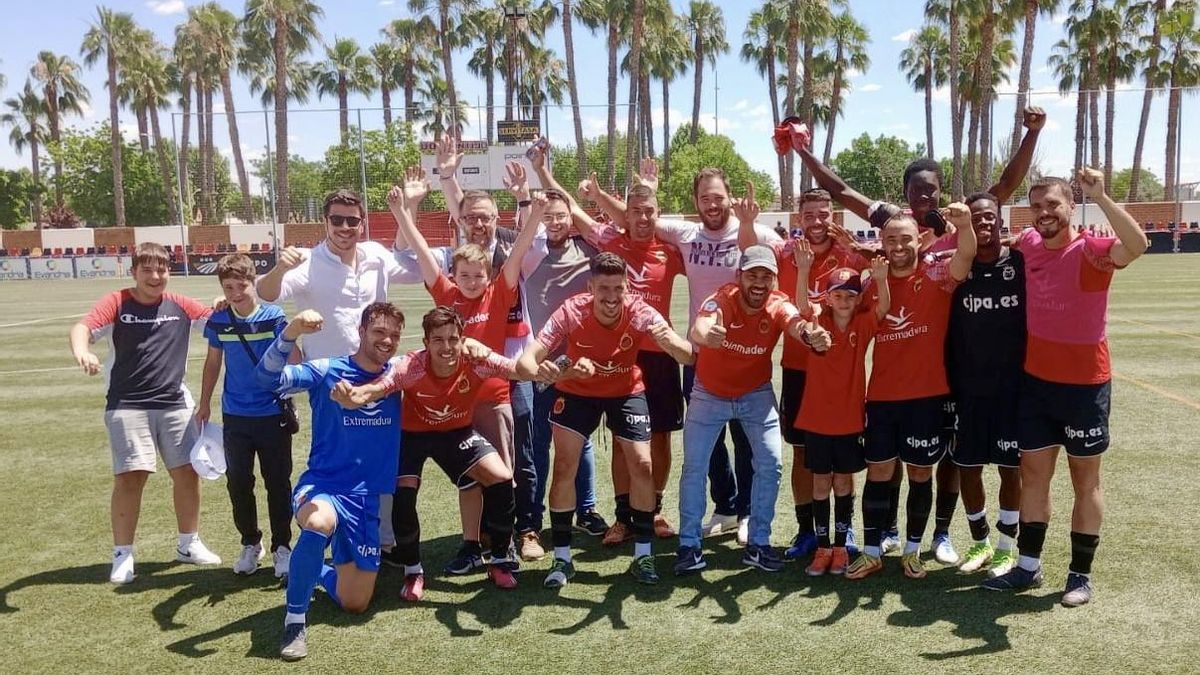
664,390
987,430
456,451
1074,416
833,454
790,394
628,416
911,430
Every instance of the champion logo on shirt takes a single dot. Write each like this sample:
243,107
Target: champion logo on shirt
131,318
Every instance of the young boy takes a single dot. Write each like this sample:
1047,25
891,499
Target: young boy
254,423
832,408
149,410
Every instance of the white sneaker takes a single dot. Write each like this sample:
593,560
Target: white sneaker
743,531
890,544
719,524
122,568
197,553
282,557
247,562
943,550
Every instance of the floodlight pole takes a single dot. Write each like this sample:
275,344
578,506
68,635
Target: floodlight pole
271,178
179,183
362,168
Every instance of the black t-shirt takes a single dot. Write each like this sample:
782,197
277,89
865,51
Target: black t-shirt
985,345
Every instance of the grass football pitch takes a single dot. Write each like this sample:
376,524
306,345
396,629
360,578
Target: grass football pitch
59,613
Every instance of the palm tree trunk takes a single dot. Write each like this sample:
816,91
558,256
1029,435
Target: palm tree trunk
282,207
806,103
184,142
115,139
37,180
773,95
1147,98
666,86
235,144
164,167
971,168
789,103
635,80
1173,100
343,109
201,145
1031,11
1080,124
409,111
1110,115
56,139
210,182
985,142
386,92
573,90
612,101
143,127
491,98
956,119
448,65
647,122
697,88
1094,116
834,102
929,110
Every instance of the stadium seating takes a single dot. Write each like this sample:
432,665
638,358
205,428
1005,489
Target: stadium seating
35,252
254,248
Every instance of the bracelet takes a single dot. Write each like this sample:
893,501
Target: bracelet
524,203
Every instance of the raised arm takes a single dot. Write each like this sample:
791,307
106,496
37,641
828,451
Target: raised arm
879,274
273,372
397,201
746,210
842,193
612,207
270,285
448,159
960,263
511,270
583,222
1131,240
803,255
1033,119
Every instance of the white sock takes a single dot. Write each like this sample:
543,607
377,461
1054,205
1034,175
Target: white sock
562,553
977,516
1009,517
292,617
1029,564
872,551
640,549
1005,542
122,550
186,539
413,569
911,547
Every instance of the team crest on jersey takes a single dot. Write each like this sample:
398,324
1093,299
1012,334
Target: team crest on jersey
626,342
463,385
916,284
559,405
709,306
853,340
1009,273
764,326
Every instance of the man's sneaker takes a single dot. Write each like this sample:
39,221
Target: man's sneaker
864,566
618,534
1002,562
122,568
743,536
281,557
803,544
500,571
642,569
719,524
197,553
662,527
890,542
391,557
841,560
689,560
561,571
294,645
247,562
467,560
821,561
531,546
943,549
1079,590
978,556
591,522
851,543
912,565
414,588
1016,579
763,557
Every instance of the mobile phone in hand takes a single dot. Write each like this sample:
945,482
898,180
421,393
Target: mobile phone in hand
935,221
541,144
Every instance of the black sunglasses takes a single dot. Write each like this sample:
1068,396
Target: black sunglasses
348,221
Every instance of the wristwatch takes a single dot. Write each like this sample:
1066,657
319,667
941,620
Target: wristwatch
523,203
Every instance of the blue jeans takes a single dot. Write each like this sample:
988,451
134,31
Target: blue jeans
728,485
534,467
706,416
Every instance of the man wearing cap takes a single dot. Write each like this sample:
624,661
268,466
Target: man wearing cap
736,329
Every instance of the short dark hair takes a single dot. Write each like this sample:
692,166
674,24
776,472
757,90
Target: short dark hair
236,266
707,173
924,164
642,192
553,195
150,253
441,316
898,219
1046,182
815,195
979,196
608,263
385,310
344,196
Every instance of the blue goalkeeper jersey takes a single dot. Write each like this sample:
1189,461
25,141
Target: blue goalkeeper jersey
353,451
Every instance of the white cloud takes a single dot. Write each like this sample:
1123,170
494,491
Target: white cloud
1059,19
741,105
1053,125
870,87
757,112
166,7
905,36
386,3
853,73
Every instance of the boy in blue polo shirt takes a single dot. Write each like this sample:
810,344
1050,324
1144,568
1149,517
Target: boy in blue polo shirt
254,423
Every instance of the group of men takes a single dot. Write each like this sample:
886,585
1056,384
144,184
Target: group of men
986,351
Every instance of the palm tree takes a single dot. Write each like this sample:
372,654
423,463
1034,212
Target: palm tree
435,112
1032,8
486,29
183,53
850,39
1068,63
667,56
923,63
761,47
148,76
413,40
383,59
105,38
1151,49
63,93
706,28
448,11
572,89
638,20
608,16
1117,63
290,25
26,114
345,69
1181,60
544,80
814,28
948,13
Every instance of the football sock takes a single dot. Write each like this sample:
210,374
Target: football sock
843,517
979,525
304,570
920,496
819,516
1030,540
804,517
1083,550
946,503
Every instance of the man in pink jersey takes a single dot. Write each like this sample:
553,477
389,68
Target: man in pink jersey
1067,384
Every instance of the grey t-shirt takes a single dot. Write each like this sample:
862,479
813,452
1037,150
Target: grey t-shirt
551,275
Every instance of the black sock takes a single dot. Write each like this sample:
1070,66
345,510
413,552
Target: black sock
1031,538
658,502
804,517
893,516
1007,529
623,509
843,517
920,501
560,527
642,524
820,514
947,502
979,527
1083,550
875,505
406,525
498,516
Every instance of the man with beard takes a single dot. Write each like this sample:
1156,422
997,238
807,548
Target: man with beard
907,391
984,352
828,257
1067,383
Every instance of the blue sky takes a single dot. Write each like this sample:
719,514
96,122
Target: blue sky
880,101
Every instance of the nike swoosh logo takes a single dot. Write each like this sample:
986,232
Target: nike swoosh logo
423,395
583,346
229,329
1092,444
934,451
736,325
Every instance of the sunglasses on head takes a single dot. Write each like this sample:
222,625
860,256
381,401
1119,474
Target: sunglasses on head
347,221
